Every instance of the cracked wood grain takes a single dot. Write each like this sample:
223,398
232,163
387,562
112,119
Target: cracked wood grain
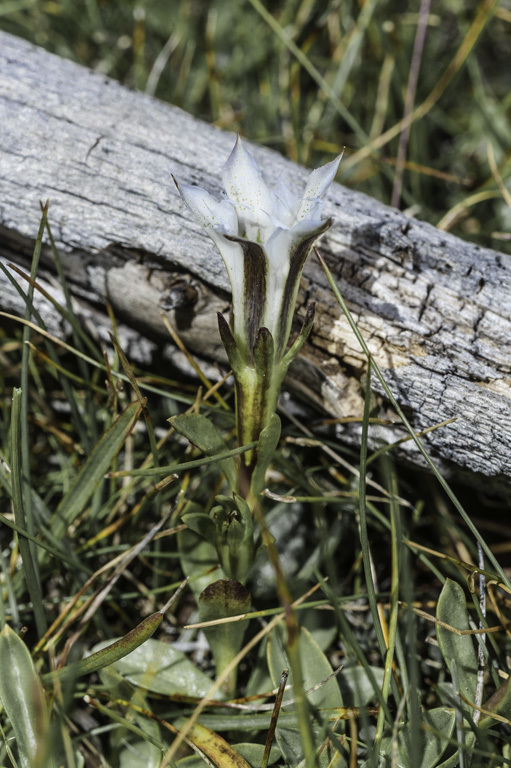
434,310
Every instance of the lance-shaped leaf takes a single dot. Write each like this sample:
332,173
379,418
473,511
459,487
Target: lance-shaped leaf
267,445
111,653
22,697
202,433
452,611
94,469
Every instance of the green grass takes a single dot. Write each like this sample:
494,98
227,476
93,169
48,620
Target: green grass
93,484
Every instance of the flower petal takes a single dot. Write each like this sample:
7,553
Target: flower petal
284,275
317,185
233,258
244,183
208,212
255,295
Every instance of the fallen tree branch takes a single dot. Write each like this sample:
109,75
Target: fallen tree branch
434,310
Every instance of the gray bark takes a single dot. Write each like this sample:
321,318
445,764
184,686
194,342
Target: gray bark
435,311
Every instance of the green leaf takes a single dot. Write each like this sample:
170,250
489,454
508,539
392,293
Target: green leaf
159,668
253,753
356,686
200,523
22,696
198,556
452,610
453,760
234,536
316,668
110,652
94,469
266,446
140,754
499,703
202,433
437,728
222,599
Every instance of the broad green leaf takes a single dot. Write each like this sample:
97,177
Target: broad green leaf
220,600
499,703
437,728
453,761
139,754
322,626
316,669
452,610
160,668
22,697
357,689
202,433
94,469
136,752
201,523
315,665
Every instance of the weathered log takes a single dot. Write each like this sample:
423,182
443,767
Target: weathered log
435,311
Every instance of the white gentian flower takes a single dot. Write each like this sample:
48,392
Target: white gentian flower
264,237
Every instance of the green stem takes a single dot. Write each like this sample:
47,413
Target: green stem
256,402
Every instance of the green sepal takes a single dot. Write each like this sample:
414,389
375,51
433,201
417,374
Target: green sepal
202,433
268,441
236,360
263,353
301,338
234,536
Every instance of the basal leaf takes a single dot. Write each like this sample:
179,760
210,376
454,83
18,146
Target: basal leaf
22,697
316,669
499,703
160,668
356,686
452,610
437,728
